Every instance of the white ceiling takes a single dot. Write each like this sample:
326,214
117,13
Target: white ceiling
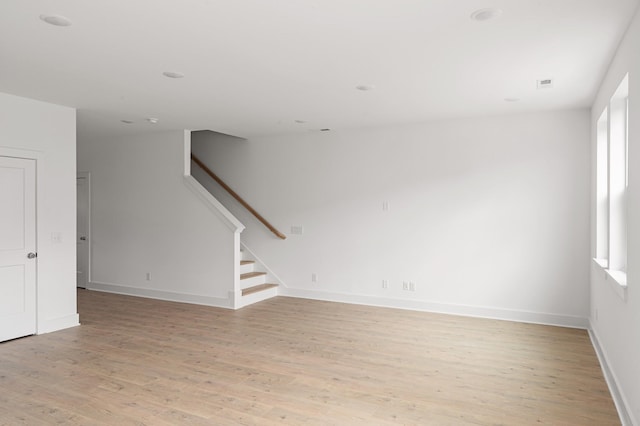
255,66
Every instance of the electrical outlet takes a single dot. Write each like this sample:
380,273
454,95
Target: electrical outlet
385,284
297,230
148,276
385,206
314,278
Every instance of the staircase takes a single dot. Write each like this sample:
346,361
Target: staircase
253,283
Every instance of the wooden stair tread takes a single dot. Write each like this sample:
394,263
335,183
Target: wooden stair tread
257,288
251,275
247,262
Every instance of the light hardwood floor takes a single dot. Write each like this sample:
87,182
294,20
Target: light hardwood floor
293,361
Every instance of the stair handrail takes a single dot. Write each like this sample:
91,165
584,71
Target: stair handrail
235,195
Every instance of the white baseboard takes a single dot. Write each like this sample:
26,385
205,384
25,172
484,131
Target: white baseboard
426,306
618,396
218,302
55,324
416,305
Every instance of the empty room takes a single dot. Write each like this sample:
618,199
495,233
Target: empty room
407,212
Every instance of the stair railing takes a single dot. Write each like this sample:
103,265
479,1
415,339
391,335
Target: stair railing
235,195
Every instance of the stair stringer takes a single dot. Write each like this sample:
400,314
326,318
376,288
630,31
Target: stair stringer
234,297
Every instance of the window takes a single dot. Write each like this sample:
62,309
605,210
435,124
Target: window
611,184
602,189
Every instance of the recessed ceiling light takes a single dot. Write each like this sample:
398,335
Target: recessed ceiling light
126,121
152,120
364,87
511,99
57,20
173,74
487,14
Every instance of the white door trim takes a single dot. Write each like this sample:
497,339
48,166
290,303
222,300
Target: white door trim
18,258
38,156
87,176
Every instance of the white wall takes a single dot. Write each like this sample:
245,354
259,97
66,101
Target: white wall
48,133
487,216
616,326
146,220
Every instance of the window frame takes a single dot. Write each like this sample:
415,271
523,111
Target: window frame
612,182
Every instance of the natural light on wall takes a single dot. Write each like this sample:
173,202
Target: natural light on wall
611,185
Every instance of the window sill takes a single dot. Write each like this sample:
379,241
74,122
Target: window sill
603,263
616,279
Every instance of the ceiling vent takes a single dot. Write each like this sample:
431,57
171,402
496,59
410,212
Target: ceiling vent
547,83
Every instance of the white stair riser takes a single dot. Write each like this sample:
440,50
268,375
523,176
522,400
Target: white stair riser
246,268
258,296
250,282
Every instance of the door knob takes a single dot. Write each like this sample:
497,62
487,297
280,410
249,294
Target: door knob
32,255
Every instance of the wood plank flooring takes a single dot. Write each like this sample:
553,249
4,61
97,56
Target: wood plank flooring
138,361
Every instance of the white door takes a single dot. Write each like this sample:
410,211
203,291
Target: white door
17,247
82,234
